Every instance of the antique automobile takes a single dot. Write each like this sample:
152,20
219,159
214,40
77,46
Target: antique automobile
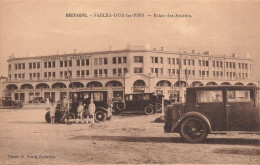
103,109
136,102
213,110
37,100
7,102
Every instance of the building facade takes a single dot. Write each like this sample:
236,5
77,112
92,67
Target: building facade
136,69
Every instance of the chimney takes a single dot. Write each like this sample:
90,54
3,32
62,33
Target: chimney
162,48
207,53
234,55
193,51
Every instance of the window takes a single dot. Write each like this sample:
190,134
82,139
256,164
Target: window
168,60
213,63
23,65
161,60
124,59
152,59
188,61
119,60
100,61
38,75
114,60
234,65
151,69
207,63
95,72
161,70
61,63
125,70
9,66
114,71
105,72
119,71
78,62
19,65
156,60
210,96
61,74
239,65
38,65
53,74
199,61
49,65
87,72
173,71
245,66
65,63
203,62
217,63
230,64
105,61
184,61
100,72
78,73
82,73
82,62
16,66
87,62
70,63
221,64
45,64
173,61
226,64
238,96
138,59
156,70
138,70
169,71
53,64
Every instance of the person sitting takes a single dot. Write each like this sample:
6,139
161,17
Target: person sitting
217,98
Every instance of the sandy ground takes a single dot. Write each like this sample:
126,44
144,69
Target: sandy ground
128,138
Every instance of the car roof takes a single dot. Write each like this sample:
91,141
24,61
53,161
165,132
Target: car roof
225,86
138,93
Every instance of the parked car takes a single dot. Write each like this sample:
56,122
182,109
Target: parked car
7,102
38,100
136,102
103,109
214,109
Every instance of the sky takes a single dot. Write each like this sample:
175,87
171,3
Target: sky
36,28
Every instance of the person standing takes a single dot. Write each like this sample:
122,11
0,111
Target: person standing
52,111
92,109
154,101
86,102
80,112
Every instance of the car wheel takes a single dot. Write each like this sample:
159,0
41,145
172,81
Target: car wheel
194,130
47,117
100,116
120,106
148,110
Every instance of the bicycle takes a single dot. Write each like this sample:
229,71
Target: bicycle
68,117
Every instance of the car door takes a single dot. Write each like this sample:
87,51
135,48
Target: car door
240,110
210,103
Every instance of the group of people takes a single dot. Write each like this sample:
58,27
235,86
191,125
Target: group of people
81,108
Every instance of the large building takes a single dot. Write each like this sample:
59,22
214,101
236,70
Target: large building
132,70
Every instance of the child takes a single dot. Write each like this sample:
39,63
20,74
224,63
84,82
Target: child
91,109
80,112
52,112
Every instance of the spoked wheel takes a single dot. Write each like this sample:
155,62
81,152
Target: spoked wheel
100,116
148,110
194,130
48,117
70,118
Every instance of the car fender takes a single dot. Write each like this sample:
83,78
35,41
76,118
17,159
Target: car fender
101,109
196,114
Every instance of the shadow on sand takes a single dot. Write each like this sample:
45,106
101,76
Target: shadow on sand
225,141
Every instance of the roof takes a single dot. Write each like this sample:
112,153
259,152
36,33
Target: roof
225,86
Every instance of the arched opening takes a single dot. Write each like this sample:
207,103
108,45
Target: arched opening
11,87
225,83
181,84
113,84
42,86
58,85
196,84
164,83
251,84
94,84
238,83
211,83
26,86
76,85
139,86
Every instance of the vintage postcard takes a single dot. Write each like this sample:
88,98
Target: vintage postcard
129,82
